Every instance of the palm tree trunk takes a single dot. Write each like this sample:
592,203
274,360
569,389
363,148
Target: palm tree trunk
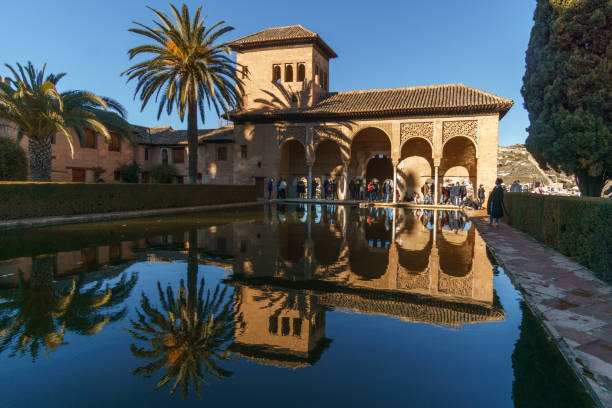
192,271
40,158
192,139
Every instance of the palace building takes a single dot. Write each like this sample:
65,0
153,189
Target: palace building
292,126
295,128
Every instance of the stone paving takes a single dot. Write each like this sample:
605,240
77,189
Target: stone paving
573,305
75,219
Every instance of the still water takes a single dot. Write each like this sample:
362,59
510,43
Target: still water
270,306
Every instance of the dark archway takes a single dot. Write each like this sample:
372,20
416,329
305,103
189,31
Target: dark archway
292,164
367,143
380,168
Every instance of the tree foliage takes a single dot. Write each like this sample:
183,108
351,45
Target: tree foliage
163,173
31,102
188,68
13,162
567,88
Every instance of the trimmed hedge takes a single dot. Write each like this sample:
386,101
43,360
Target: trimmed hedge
29,200
580,228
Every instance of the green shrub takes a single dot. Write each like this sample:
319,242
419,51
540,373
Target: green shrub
129,172
577,227
163,173
13,162
28,200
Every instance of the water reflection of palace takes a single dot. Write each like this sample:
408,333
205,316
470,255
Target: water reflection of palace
292,264
416,266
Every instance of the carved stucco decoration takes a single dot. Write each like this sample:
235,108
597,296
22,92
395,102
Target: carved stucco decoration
334,133
291,132
409,130
467,128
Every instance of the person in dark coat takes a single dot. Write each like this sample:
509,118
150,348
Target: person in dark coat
495,203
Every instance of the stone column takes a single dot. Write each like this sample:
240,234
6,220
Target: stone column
436,187
345,182
309,189
395,182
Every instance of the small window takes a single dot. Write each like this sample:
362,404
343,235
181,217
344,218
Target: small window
178,155
164,156
117,175
301,73
243,151
221,154
273,324
316,71
146,153
288,73
276,73
180,180
115,143
90,141
297,326
245,72
285,326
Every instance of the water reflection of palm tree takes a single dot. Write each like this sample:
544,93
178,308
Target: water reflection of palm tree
37,313
188,335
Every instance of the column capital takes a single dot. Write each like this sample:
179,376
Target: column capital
436,162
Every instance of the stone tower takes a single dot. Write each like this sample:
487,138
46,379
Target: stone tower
283,67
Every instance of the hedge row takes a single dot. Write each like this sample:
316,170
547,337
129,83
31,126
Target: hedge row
29,200
580,228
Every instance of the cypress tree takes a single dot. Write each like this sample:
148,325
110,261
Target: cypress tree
567,88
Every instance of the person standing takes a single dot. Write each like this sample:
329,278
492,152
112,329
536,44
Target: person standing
270,188
481,196
516,187
352,189
495,203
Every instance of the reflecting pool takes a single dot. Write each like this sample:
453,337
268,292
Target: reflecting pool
270,306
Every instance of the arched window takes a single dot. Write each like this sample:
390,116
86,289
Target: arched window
276,73
317,73
301,73
288,73
164,156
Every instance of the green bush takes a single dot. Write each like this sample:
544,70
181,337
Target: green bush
577,227
13,162
129,172
29,200
163,173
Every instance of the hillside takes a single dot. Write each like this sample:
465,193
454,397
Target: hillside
516,163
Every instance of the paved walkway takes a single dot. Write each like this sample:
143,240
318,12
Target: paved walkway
574,306
75,219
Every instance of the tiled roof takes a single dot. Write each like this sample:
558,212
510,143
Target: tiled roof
281,36
452,98
165,136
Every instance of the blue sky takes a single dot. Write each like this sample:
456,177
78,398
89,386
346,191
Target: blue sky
382,44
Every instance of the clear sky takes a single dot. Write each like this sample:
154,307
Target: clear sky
380,44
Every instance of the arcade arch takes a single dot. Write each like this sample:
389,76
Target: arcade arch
459,161
416,166
292,164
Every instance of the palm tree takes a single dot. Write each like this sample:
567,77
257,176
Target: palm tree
37,314
187,340
186,69
31,102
